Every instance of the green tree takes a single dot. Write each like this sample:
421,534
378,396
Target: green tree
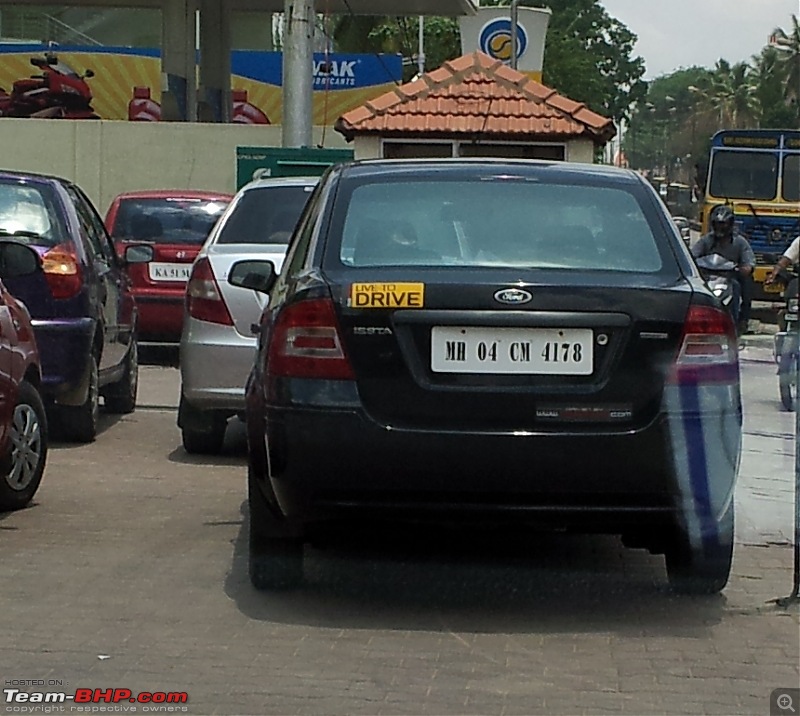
730,95
769,79
789,48
399,35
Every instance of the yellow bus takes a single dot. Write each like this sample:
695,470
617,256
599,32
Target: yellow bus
757,173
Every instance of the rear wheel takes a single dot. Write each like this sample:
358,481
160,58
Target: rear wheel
702,569
28,435
787,380
207,441
275,561
79,422
120,397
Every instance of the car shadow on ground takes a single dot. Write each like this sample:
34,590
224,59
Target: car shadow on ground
234,449
459,581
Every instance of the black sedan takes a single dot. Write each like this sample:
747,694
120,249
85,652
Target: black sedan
491,342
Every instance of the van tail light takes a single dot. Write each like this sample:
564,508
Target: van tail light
62,271
709,351
203,298
306,343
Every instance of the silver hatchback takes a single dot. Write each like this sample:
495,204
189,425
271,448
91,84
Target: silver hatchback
217,344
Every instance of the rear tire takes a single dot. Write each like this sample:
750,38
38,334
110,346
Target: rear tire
205,442
79,423
275,562
704,569
786,381
120,397
28,450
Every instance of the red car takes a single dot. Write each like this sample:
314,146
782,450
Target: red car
176,223
23,423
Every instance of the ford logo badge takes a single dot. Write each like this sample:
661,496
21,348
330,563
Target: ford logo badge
513,296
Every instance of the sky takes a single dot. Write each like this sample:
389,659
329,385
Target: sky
681,33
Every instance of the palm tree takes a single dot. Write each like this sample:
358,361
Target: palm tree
729,96
789,46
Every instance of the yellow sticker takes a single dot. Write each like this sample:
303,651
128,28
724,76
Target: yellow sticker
387,295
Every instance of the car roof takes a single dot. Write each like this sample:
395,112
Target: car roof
560,171
32,176
175,194
268,182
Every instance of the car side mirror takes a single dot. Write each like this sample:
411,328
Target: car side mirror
88,74
18,260
256,275
138,254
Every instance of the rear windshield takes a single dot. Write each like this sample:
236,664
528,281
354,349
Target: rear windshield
29,213
166,221
265,215
497,222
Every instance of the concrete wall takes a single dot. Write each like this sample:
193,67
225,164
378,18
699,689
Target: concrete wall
581,150
107,158
367,147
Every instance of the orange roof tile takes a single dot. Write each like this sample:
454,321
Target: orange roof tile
475,95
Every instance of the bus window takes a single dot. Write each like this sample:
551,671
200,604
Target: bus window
744,175
791,178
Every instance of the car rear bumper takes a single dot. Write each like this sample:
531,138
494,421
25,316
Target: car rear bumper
215,361
340,464
160,314
64,348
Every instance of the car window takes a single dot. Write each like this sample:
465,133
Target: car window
98,227
496,222
298,251
30,212
91,239
167,220
265,215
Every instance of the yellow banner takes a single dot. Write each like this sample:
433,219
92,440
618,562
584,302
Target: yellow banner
128,86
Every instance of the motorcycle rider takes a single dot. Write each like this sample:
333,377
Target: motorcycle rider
724,240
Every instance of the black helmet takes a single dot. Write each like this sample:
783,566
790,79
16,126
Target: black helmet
722,220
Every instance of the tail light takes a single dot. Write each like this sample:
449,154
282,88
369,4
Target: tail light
203,298
62,271
709,349
306,343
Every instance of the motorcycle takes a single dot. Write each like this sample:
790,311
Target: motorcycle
787,345
720,274
58,93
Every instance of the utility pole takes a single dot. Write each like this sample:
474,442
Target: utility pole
421,47
298,72
514,33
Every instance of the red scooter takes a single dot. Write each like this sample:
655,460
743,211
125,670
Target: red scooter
58,93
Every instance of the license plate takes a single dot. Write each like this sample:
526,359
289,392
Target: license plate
169,272
531,351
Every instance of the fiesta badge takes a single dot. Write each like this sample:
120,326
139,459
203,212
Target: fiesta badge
513,296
